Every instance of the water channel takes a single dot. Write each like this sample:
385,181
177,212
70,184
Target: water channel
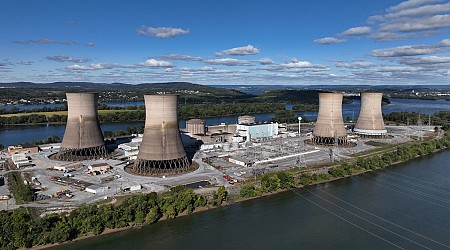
405,206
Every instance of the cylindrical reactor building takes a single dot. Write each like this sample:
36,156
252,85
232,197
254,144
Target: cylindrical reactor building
370,121
330,124
195,126
83,138
246,119
161,150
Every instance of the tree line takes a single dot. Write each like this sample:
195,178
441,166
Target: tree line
20,229
185,112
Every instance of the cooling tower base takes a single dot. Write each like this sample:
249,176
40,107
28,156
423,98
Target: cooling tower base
161,167
319,140
79,154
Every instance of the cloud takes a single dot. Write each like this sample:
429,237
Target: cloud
239,51
181,57
61,58
161,32
357,31
444,43
48,41
417,24
426,61
296,66
405,51
410,4
265,61
25,62
210,70
228,62
354,65
328,40
151,63
413,18
411,50
156,64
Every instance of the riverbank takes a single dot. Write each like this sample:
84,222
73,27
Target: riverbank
260,183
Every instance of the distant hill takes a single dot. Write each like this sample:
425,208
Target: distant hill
189,92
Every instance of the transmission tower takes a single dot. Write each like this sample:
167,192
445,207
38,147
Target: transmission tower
419,123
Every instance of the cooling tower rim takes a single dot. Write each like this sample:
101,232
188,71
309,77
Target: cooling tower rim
69,93
330,94
371,93
369,131
161,95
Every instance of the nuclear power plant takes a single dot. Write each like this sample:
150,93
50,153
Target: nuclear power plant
83,138
161,150
370,121
329,127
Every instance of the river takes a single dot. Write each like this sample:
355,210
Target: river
405,206
12,135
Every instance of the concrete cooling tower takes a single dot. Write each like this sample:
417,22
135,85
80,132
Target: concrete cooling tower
161,150
329,125
370,121
83,138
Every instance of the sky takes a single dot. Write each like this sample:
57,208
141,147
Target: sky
253,42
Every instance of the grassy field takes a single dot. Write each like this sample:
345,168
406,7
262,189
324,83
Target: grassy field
65,112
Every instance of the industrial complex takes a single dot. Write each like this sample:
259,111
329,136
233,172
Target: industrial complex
81,170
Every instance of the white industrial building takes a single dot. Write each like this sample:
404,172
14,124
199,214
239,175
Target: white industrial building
130,149
21,160
255,131
96,189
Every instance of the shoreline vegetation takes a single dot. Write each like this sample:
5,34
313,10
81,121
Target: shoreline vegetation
138,113
21,228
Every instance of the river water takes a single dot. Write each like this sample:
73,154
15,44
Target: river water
406,206
12,135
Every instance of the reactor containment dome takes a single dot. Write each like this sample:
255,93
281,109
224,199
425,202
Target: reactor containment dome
161,151
329,128
370,120
83,138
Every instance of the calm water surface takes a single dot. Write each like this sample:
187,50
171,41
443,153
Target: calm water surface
407,206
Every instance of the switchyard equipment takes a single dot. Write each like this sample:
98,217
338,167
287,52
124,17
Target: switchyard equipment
370,121
330,124
161,150
83,138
